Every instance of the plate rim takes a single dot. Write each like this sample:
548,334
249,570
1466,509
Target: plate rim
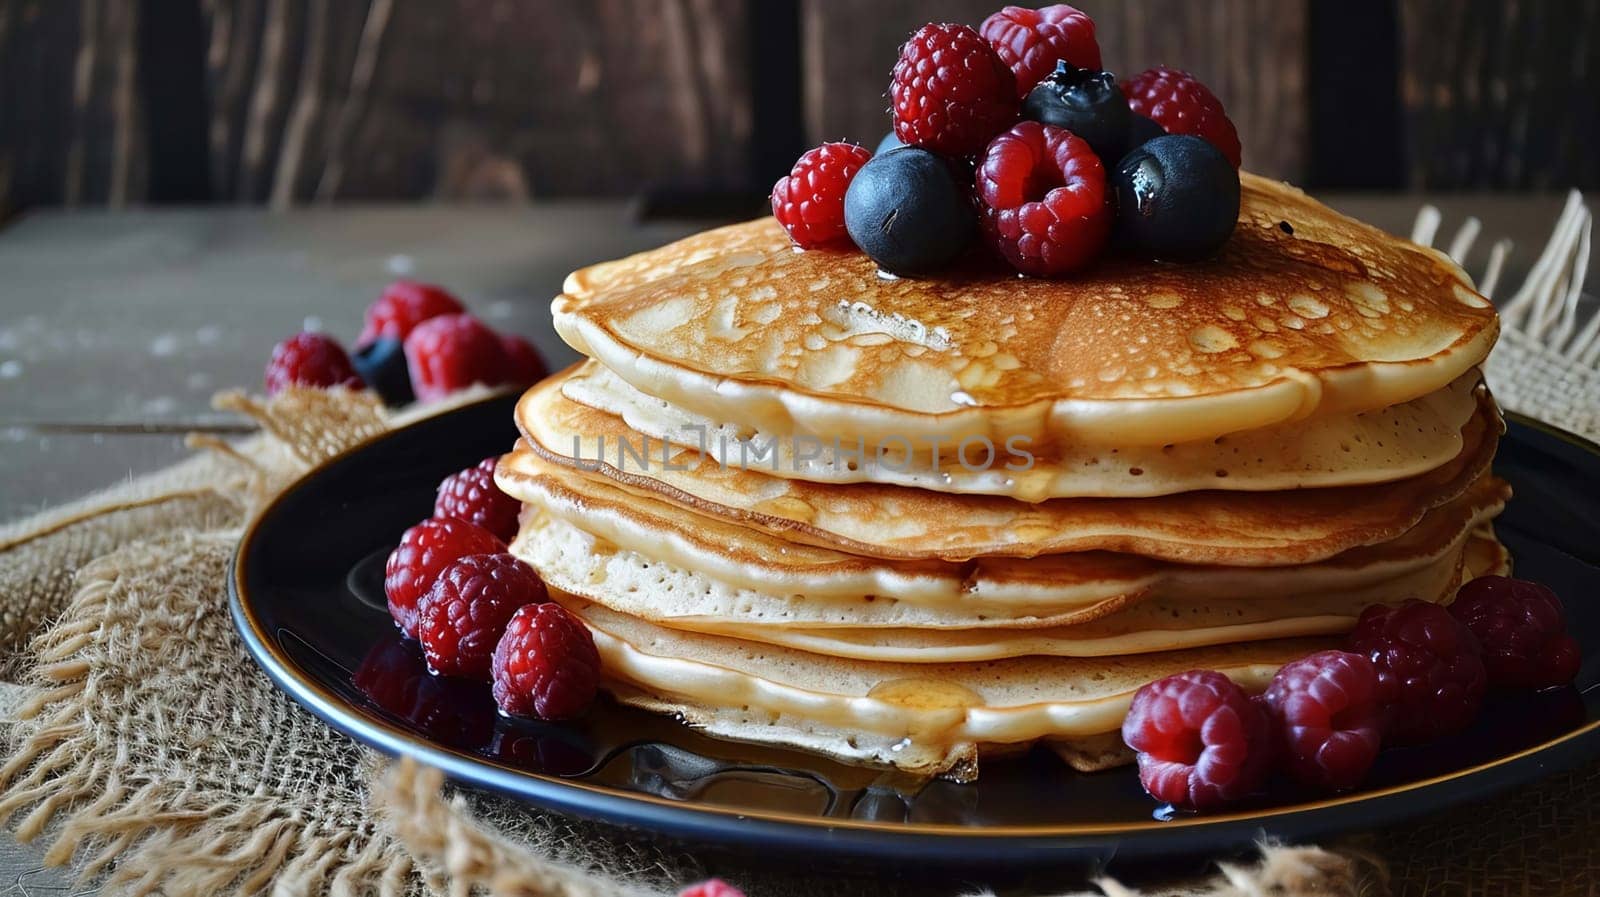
867,837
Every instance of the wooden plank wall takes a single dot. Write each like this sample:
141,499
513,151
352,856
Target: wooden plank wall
296,101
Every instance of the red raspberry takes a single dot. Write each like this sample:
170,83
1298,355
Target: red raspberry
546,664
950,92
1326,719
403,305
1202,742
524,365
809,200
1031,41
1042,192
1430,672
452,352
711,887
423,553
472,495
1523,630
1180,104
310,359
465,612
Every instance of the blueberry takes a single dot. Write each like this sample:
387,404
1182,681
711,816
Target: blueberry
382,364
889,142
907,210
1142,130
1087,103
1177,198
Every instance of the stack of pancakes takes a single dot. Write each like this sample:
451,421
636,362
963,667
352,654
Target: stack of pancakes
912,522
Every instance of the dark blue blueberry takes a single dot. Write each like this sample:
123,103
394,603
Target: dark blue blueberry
889,142
382,364
1087,103
1177,198
907,210
1142,130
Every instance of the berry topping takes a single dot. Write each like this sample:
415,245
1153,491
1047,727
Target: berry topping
382,363
1326,719
809,200
1032,41
907,210
403,305
423,553
1523,630
464,613
1141,130
1430,672
950,92
1177,198
1180,104
452,352
524,365
472,495
309,359
889,142
546,665
1085,102
1202,742
1043,197
711,887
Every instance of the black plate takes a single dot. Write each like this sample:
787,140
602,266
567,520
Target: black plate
308,600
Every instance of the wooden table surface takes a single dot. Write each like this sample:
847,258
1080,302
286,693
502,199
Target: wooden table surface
117,327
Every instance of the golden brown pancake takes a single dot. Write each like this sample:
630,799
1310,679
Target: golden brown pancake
1266,529
1349,449
1304,311
647,557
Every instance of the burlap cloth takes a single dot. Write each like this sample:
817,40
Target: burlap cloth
146,749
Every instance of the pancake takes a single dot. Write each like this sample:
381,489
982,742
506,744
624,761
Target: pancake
1146,627
1210,527
646,557
1326,450
1303,312
928,719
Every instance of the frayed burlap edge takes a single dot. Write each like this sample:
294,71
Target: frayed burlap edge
159,836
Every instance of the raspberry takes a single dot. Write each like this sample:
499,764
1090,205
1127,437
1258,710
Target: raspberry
1182,105
1523,630
1032,41
950,92
464,613
1202,742
452,352
403,305
472,495
423,553
1043,196
1326,719
524,365
546,664
809,200
711,887
1430,672
310,359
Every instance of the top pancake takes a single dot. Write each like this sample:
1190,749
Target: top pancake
1335,316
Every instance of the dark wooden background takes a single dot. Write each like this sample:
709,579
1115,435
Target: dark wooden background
113,102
